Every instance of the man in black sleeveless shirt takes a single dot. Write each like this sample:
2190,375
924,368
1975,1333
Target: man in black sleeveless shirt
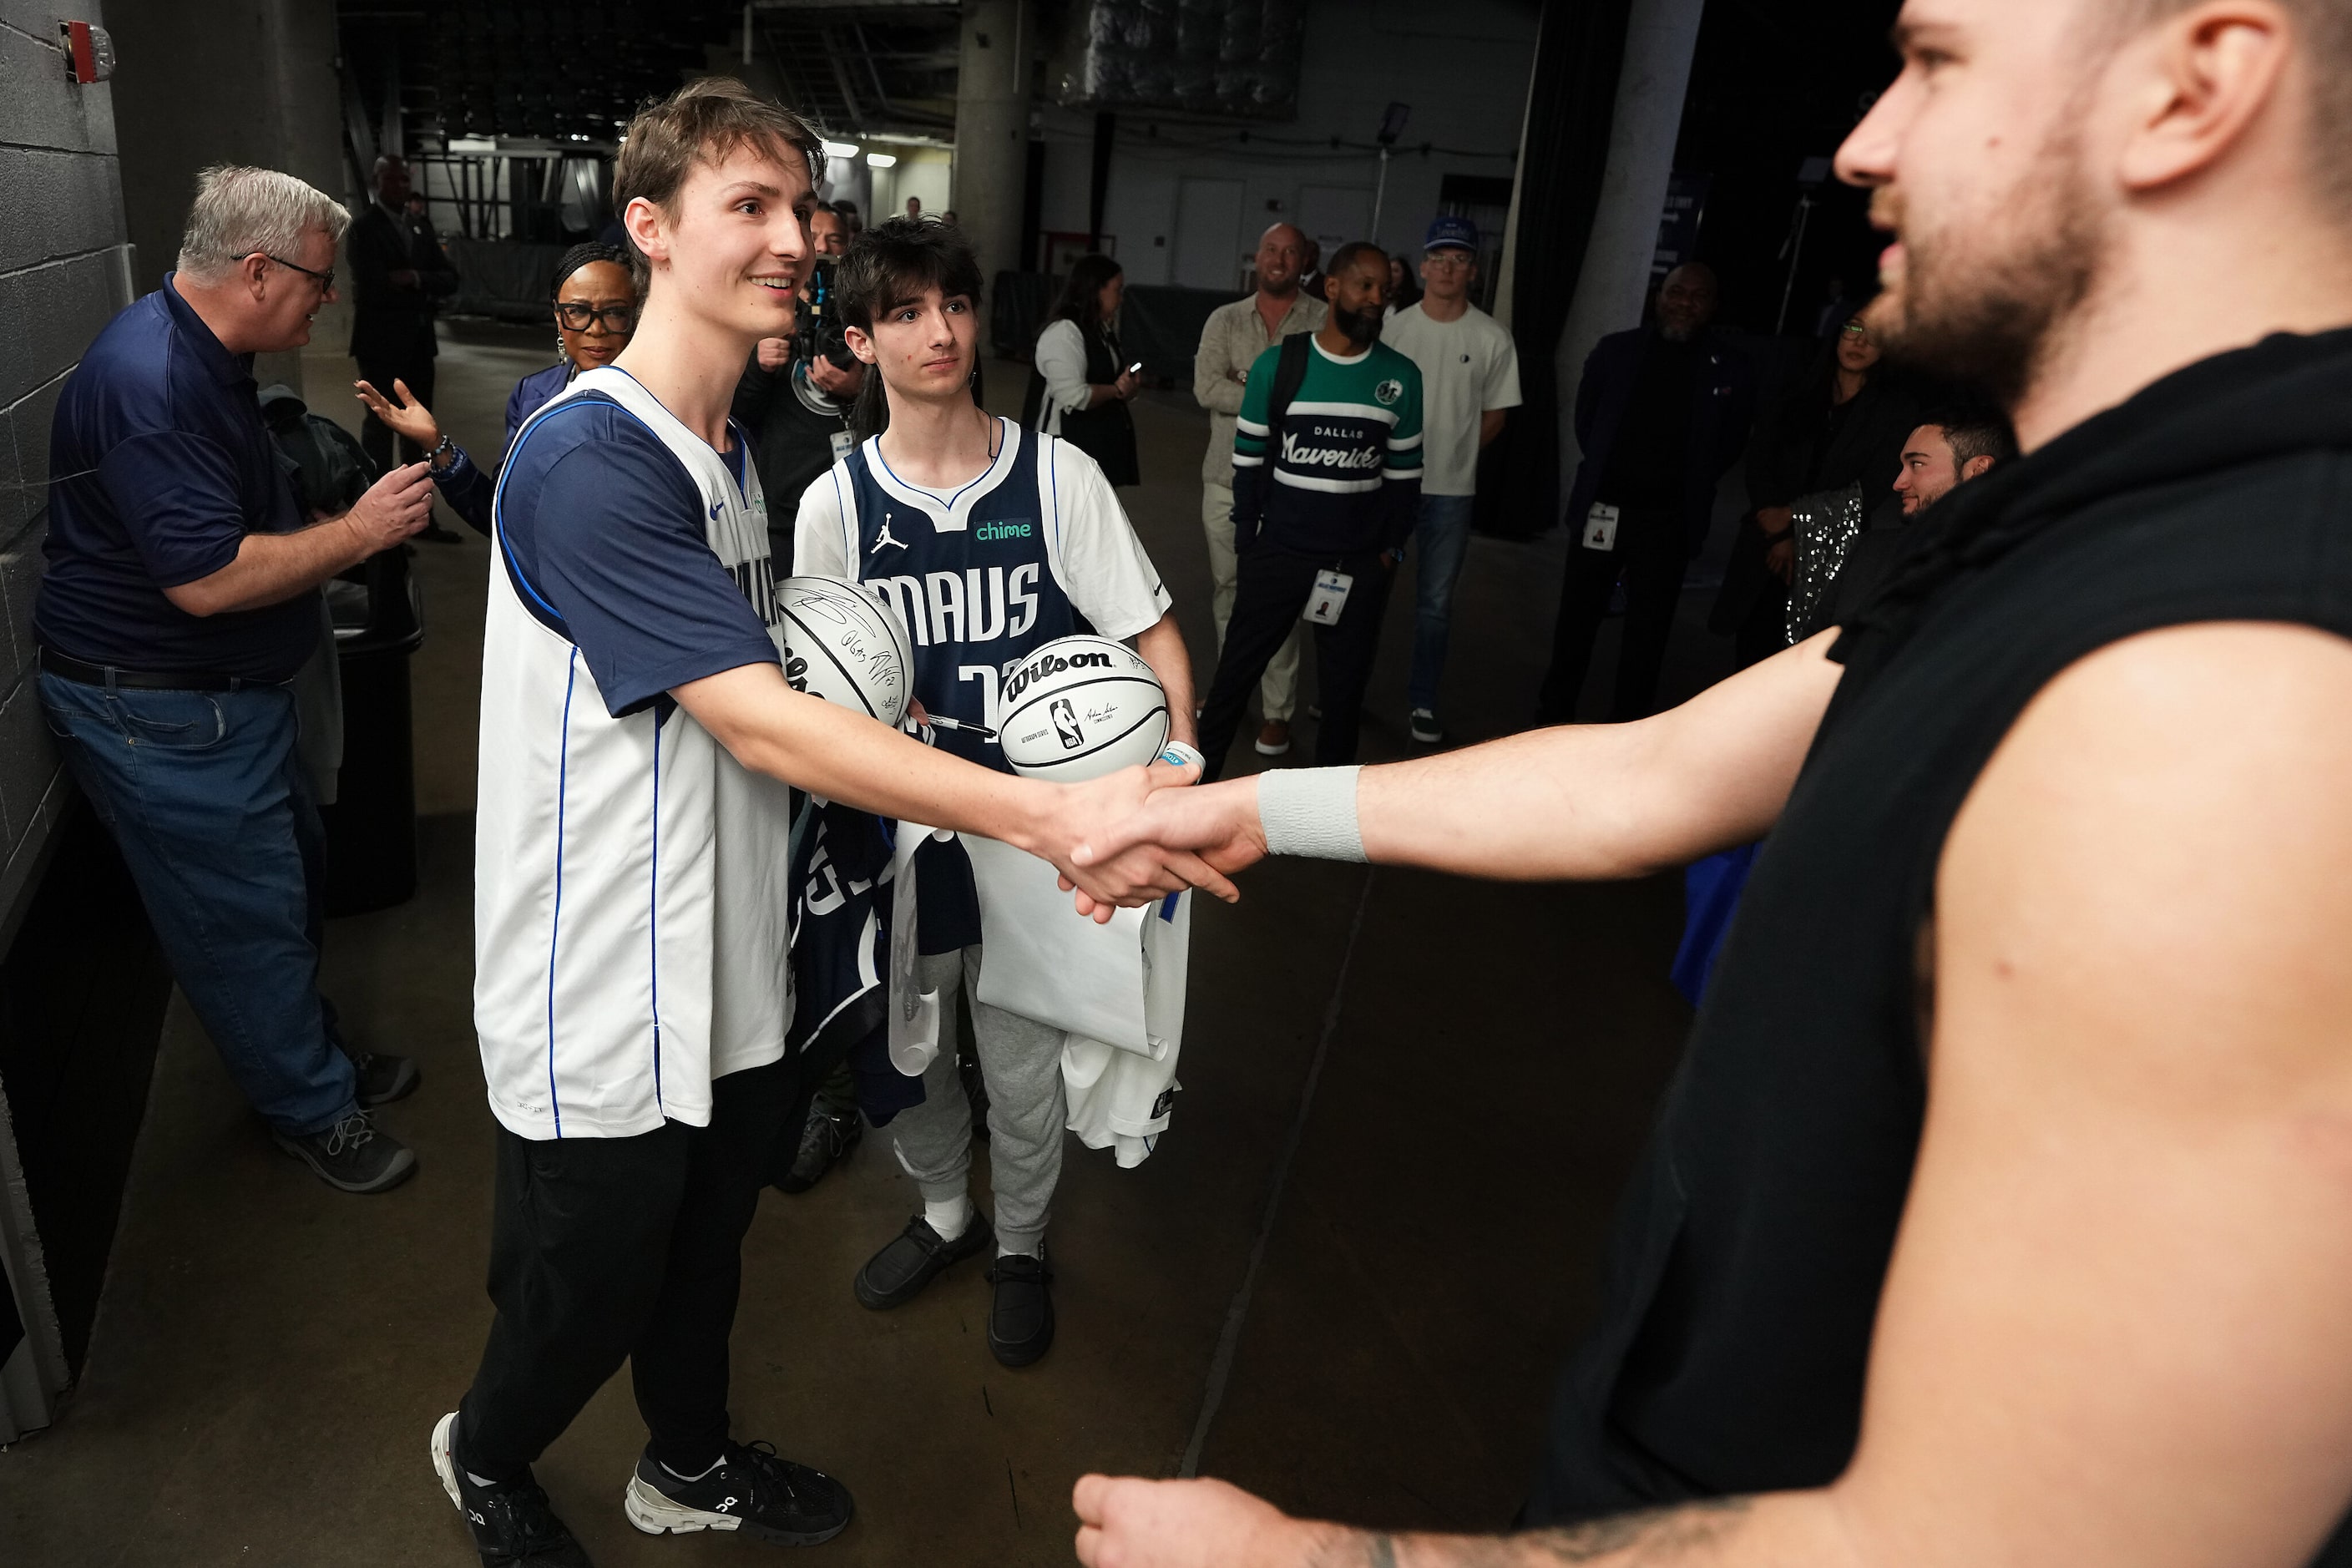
1999,1212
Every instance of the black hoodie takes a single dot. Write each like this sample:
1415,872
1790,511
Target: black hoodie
1753,1244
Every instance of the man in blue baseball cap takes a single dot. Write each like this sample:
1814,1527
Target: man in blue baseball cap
1470,379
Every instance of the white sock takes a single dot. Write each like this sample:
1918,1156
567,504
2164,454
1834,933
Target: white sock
949,1216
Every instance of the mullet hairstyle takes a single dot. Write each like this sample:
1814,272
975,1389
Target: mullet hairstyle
703,121
892,264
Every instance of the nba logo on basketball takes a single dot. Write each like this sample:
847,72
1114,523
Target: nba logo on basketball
1065,724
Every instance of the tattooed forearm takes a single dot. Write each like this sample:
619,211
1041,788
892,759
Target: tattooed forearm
1660,1538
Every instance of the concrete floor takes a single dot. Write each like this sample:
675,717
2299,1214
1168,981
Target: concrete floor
1408,1103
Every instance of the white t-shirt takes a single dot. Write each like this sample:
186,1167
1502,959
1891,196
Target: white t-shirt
1468,367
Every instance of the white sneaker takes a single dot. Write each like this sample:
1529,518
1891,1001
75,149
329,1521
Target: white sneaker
1424,727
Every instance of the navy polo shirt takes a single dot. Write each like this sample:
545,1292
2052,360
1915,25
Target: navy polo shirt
159,466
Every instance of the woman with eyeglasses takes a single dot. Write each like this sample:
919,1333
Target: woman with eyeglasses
595,312
1842,425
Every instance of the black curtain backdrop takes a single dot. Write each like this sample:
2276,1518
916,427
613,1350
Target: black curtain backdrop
1578,53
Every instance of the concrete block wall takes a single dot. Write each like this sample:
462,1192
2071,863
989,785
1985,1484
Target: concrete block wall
65,269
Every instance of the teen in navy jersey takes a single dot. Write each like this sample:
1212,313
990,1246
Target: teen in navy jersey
989,541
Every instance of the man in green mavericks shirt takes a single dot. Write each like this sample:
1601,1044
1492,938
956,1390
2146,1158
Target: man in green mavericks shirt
1326,480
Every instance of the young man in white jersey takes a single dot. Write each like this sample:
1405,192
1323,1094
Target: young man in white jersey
631,883
989,540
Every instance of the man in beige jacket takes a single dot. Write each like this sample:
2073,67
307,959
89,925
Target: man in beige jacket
1235,336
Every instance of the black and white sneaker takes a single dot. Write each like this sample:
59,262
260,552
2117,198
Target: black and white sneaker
1425,728
513,1525
826,1139
750,1489
354,1155
384,1077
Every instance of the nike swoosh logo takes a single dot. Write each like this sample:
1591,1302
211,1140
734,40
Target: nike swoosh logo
716,507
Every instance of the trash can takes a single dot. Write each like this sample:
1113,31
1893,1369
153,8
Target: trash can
379,620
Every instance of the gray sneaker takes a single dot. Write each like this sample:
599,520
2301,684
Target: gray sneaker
354,1155
384,1077
1425,728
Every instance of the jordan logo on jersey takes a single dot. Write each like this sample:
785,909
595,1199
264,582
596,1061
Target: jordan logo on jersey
884,538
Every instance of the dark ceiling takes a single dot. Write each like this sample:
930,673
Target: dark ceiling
419,73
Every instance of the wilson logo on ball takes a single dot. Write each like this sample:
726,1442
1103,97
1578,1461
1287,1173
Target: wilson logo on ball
1051,664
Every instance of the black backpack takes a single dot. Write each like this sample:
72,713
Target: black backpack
330,469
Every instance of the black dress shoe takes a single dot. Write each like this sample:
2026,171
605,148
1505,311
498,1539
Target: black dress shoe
897,1275
437,534
1021,1318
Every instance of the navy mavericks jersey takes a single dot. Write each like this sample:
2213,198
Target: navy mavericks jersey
972,575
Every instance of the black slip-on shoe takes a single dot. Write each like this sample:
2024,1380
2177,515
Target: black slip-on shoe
384,1077
752,1490
826,1139
354,1155
916,1256
513,1525
1021,1318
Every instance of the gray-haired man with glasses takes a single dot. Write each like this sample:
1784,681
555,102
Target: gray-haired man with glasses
179,598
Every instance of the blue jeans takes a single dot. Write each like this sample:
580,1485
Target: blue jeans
205,796
1441,542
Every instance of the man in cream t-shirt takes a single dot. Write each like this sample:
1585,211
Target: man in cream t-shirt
1469,378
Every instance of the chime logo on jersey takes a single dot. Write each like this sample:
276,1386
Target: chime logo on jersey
990,533
1065,724
977,605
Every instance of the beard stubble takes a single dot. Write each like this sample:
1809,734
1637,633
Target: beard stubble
1988,307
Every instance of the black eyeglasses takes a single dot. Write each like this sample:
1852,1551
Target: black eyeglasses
326,279
622,319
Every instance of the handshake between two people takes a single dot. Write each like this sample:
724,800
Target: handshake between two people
1136,835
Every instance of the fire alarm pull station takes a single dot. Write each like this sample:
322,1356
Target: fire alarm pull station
90,51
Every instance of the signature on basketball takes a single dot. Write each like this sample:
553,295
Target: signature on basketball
879,663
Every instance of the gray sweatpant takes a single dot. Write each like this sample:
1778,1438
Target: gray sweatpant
1021,1062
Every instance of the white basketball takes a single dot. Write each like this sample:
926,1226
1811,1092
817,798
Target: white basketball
843,644
1079,707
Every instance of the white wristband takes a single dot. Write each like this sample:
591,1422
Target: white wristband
1310,811
1176,753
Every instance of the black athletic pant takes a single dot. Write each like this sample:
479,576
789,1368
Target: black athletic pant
1270,592
1651,555
376,435
605,1249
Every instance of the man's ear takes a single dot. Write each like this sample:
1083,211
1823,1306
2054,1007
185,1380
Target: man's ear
2205,76
860,344
1975,469
255,271
645,227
